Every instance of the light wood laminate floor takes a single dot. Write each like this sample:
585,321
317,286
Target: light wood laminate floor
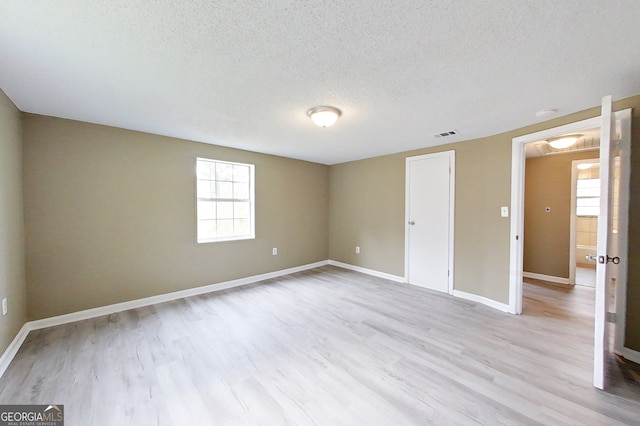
326,346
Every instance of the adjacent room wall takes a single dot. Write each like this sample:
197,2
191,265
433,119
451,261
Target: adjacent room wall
12,273
632,331
110,216
547,235
367,204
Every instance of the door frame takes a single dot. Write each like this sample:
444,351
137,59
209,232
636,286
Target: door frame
452,185
574,218
516,250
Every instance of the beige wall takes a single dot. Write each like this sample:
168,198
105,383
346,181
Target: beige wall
110,215
632,338
12,274
367,204
547,235
367,209
106,209
363,211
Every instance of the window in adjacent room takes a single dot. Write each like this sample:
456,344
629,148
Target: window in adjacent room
225,200
588,197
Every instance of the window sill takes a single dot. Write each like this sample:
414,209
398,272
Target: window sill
224,239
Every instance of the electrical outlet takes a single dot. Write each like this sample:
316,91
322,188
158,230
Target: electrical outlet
358,249
5,307
275,251
504,211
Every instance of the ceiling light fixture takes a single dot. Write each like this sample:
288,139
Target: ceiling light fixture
545,112
585,166
563,141
324,116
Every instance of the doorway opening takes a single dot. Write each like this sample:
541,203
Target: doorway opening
550,209
618,122
585,208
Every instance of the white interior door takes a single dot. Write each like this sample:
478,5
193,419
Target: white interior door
612,224
612,234
429,228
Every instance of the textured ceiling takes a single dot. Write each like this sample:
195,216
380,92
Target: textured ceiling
243,73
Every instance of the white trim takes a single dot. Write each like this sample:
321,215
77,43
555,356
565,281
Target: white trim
452,203
574,218
456,293
481,299
623,229
517,211
549,278
367,271
630,354
152,300
604,244
252,202
12,349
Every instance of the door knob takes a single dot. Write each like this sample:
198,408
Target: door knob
412,223
607,259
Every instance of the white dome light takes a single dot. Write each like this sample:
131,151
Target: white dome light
563,141
585,166
324,116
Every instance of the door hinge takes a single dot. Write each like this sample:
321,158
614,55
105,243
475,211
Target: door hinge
612,317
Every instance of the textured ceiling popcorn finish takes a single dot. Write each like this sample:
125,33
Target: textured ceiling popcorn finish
243,73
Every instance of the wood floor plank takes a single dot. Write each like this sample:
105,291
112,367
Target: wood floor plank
325,347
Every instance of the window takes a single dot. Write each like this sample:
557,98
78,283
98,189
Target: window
588,197
225,200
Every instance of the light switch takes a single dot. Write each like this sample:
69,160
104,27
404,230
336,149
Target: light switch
504,211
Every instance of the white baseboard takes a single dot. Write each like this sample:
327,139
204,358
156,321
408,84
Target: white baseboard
481,299
457,293
367,271
630,354
549,278
12,349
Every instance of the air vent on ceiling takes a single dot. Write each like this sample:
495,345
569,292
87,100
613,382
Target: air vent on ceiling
444,134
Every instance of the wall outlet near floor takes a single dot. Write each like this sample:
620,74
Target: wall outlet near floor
358,249
275,251
5,306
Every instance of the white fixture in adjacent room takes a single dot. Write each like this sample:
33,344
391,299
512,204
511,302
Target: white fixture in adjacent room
585,166
324,116
563,141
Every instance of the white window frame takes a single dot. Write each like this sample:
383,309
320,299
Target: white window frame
588,197
251,200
